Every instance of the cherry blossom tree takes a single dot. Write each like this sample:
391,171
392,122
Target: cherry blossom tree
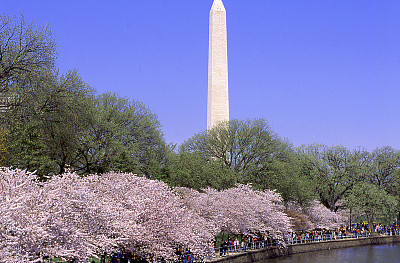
240,210
322,217
78,219
56,218
18,229
70,216
164,221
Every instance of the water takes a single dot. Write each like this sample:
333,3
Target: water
365,254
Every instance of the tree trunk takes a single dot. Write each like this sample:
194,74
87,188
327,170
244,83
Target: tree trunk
370,223
350,220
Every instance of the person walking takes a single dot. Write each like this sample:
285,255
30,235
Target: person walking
236,245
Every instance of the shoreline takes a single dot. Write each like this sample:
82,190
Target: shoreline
259,255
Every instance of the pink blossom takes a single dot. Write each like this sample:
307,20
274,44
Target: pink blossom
240,210
71,216
322,217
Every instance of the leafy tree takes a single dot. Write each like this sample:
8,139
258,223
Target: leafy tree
385,171
55,121
121,135
27,149
394,190
65,109
36,102
335,170
194,171
385,165
52,112
3,147
255,154
373,201
24,49
287,177
242,146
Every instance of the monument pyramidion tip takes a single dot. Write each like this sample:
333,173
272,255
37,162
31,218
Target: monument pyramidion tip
218,6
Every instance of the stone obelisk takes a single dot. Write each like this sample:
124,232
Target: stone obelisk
218,100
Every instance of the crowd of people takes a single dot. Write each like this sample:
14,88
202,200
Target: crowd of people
119,257
184,256
244,243
126,257
355,231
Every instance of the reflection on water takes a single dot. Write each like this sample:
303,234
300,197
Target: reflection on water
365,254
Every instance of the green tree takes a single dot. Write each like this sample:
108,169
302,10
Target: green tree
3,147
122,135
55,121
335,170
64,114
51,110
28,151
384,166
30,92
243,146
192,170
394,190
385,171
373,201
254,154
24,49
289,179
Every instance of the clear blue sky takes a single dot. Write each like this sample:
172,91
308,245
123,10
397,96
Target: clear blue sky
318,71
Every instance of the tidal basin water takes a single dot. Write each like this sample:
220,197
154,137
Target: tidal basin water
365,254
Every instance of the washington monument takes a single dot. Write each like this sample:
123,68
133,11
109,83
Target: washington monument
218,100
